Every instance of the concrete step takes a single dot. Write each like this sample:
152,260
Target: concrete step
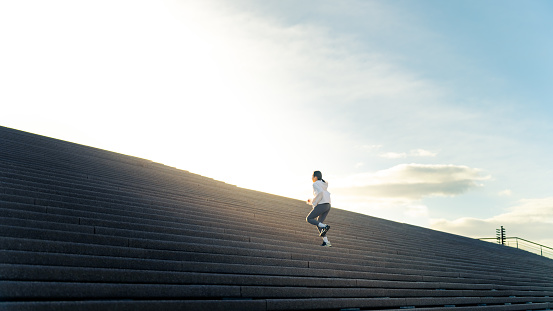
218,305
78,248
373,303
71,254
20,272
36,290
257,243
39,258
299,298
144,215
150,207
206,247
18,290
292,200
501,307
223,305
516,307
54,178
231,235
138,305
85,228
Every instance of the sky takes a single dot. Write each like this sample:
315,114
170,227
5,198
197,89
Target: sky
433,113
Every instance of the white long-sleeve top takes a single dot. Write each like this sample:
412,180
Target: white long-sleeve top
320,193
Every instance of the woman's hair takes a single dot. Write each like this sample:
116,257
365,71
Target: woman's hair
319,175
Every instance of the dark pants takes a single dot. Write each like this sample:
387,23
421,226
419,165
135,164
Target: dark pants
318,215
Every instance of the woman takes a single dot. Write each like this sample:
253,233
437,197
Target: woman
321,206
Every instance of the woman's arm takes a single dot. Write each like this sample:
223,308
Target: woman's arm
318,192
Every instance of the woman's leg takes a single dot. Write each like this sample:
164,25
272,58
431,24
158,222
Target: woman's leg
322,218
317,212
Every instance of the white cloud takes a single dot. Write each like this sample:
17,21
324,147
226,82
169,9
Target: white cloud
531,219
529,211
393,155
505,193
413,181
396,209
422,153
412,153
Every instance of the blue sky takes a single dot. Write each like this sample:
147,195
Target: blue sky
435,113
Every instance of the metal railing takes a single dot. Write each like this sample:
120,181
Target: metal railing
526,245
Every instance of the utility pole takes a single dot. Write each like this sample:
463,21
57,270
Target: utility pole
500,235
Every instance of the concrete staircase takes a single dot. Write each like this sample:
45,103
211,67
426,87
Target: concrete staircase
87,229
